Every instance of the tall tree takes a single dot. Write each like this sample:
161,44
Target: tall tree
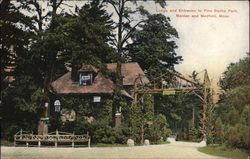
14,38
154,46
16,32
42,17
88,35
125,27
234,104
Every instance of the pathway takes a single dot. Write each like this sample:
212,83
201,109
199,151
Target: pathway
177,150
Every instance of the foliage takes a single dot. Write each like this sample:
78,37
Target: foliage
208,129
6,143
178,110
139,116
144,123
21,104
40,54
87,34
125,27
237,74
192,134
14,38
219,133
158,130
153,45
232,123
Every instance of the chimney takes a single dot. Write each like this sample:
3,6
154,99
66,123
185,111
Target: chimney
74,72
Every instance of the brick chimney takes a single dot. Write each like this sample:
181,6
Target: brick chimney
74,72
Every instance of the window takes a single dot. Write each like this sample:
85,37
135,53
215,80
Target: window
85,79
97,99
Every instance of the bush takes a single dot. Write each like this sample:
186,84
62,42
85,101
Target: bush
192,134
159,129
238,136
104,135
183,136
219,134
8,131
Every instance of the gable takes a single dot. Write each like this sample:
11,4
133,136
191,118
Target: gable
130,72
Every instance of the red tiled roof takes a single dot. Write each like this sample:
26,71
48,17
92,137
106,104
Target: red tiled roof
101,84
129,72
65,85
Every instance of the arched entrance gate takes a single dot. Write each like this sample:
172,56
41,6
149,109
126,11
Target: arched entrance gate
178,84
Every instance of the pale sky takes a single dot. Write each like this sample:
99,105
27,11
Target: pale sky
209,43
204,43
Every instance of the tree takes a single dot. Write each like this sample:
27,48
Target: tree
14,39
219,135
237,74
234,104
88,35
154,46
16,32
124,30
45,55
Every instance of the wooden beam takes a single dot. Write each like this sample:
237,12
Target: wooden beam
149,91
182,78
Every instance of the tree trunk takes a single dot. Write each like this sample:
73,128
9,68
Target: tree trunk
49,69
142,134
204,112
118,80
193,125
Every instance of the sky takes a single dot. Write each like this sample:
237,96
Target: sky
206,42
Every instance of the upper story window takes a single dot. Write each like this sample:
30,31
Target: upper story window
85,78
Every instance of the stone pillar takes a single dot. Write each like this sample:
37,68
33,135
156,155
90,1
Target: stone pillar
43,126
118,120
56,144
39,143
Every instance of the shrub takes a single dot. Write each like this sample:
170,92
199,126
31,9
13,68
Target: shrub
238,136
219,135
192,134
104,135
158,129
122,134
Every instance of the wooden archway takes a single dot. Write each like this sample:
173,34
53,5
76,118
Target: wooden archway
192,87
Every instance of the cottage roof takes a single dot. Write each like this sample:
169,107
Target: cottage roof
130,71
101,84
64,85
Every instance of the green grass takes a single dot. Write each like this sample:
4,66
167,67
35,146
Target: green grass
159,143
224,152
108,145
124,145
6,143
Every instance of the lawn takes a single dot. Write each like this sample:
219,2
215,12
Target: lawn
6,143
224,152
108,145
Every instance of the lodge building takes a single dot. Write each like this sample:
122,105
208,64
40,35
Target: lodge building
88,82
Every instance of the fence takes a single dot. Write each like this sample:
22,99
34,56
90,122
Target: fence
56,138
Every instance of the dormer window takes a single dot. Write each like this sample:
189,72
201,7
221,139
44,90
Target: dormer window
85,78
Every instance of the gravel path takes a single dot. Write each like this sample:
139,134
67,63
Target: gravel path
180,150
